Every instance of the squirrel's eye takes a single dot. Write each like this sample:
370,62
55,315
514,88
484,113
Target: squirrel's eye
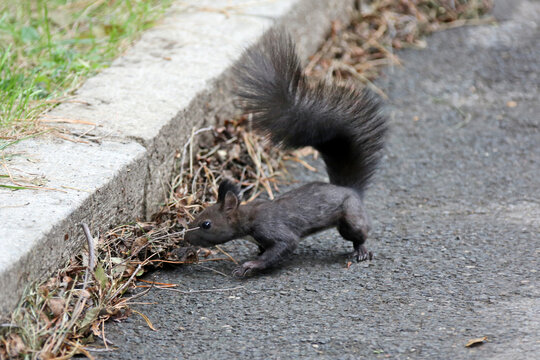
206,225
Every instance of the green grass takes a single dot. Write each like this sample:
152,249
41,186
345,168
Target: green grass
48,47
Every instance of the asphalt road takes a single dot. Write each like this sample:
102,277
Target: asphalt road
456,224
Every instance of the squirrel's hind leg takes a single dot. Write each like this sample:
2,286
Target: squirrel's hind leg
354,226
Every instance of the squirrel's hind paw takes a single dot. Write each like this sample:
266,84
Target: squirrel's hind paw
362,254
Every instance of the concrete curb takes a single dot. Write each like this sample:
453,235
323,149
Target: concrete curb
176,78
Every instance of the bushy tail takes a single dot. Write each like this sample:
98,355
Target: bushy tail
343,124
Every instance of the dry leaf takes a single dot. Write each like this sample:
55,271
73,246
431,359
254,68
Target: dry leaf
84,293
511,104
56,305
68,121
204,252
222,154
96,328
67,279
45,320
476,342
235,152
304,152
145,319
138,244
44,290
101,276
129,270
186,254
15,345
90,316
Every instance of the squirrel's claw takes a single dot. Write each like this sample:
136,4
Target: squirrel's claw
238,272
246,269
363,254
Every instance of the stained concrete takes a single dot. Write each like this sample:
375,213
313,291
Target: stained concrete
143,109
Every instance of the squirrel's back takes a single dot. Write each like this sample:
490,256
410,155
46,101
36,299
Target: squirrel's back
344,124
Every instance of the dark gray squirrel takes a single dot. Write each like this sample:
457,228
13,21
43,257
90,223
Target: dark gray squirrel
344,124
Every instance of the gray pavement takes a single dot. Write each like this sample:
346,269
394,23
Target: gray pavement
456,223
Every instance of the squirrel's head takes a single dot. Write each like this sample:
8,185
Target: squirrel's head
216,224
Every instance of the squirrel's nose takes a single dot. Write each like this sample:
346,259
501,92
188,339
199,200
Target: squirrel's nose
192,239
188,237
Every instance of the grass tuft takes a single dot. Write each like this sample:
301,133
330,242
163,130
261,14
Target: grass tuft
49,47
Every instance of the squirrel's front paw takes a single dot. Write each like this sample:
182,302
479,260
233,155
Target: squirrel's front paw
246,269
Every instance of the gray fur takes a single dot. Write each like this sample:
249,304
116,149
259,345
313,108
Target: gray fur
343,124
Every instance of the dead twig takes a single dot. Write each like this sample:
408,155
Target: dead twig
188,145
91,254
187,292
125,285
227,254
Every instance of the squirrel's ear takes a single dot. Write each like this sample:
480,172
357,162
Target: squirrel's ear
225,187
231,202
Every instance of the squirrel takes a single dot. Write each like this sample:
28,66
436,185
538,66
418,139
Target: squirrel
343,124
